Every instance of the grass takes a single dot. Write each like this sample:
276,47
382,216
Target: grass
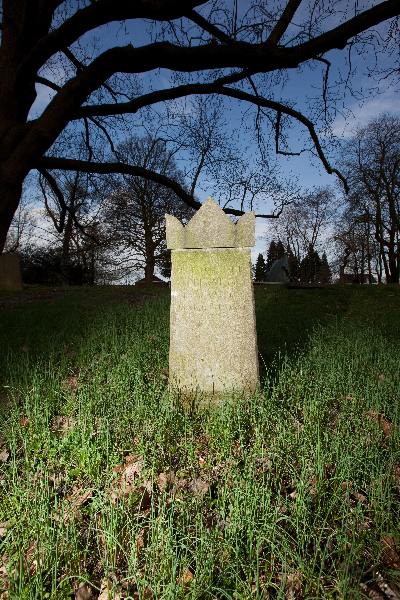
110,484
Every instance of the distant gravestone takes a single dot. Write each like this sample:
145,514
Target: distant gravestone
10,272
279,272
213,345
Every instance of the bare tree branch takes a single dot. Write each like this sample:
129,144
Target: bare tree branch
60,199
283,23
69,164
209,27
48,83
100,13
157,96
281,108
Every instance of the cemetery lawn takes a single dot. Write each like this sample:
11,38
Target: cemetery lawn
110,488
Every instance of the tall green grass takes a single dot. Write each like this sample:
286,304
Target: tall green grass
287,494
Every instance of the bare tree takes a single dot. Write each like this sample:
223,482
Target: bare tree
22,227
222,52
372,165
134,210
307,221
72,202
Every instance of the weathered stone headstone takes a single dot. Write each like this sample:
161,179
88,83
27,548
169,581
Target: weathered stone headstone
10,272
213,345
279,272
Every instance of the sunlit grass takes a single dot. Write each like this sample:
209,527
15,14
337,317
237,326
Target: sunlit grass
287,494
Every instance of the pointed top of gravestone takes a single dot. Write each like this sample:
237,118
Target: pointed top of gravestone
211,227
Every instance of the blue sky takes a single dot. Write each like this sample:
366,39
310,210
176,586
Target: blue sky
370,99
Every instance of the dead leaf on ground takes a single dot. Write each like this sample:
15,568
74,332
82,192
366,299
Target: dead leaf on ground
354,496
390,553
62,424
4,582
72,382
4,455
313,482
24,421
126,483
84,592
108,591
385,425
74,502
390,589
3,529
372,591
145,594
165,480
263,464
140,541
185,577
32,559
198,487
396,473
293,586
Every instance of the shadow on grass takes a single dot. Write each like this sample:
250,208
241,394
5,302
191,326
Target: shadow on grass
286,317
40,323
51,325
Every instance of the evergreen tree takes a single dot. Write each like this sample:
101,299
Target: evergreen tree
280,249
294,265
260,271
166,265
325,273
310,266
271,255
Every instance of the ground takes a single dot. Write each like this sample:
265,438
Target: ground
111,488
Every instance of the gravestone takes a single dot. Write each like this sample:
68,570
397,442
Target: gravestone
10,272
213,345
279,272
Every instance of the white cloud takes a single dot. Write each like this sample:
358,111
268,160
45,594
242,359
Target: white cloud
361,114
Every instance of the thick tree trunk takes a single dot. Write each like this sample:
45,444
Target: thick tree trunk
10,195
149,270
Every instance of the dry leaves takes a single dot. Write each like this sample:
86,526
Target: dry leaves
390,553
74,502
4,583
3,529
127,482
263,464
185,577
381,589
140,541
84,592
71,382
198,487
24,421
293,586
385,425
62,424
167,481
354,496
107,591
4,455
32,558
146,594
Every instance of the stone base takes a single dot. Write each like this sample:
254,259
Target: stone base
10,272
213,345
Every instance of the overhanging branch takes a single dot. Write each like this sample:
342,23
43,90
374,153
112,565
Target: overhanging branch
283,109
69,164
